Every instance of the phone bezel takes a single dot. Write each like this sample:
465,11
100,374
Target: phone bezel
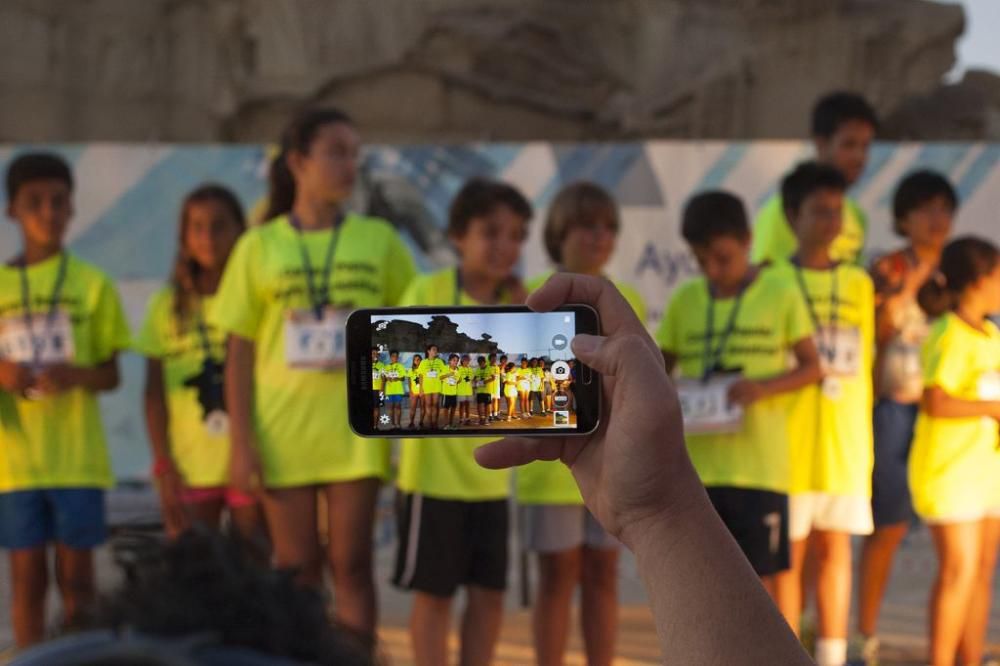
360,403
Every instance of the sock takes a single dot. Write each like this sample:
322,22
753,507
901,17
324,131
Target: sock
831,651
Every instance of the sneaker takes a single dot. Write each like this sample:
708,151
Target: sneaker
862,650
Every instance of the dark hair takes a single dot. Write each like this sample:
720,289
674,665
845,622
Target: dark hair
916,189
432,346
481,359
833,110
393,352
479,197
297,137
184,277
502,356
964,261
804,180
206,584
453,356
509,366
29,167
578,204
415,357
466,356
710,215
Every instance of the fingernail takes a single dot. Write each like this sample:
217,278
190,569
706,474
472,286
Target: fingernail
586,343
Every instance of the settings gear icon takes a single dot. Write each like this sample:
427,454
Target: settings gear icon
384,419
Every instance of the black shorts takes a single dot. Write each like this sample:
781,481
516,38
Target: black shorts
449,400
758,520
376,398
483,398
444,544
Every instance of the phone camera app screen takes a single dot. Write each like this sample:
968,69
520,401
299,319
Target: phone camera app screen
473,371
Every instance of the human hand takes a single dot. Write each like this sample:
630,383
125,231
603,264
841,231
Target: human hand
245,468
634,469
56,378
745,392
14,377
170,487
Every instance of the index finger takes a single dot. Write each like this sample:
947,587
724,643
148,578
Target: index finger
617,316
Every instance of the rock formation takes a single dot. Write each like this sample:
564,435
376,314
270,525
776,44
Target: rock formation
456,70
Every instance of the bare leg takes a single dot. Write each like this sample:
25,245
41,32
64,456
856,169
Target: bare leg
876,567
292,523
958,548
558,575
429,622
970,650
350,552
833,583
75,578
29,582
481,625
788,587
599,607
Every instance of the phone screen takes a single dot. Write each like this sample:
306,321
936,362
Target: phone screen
470,372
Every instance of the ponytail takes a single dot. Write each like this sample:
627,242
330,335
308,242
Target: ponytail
297,137
964,262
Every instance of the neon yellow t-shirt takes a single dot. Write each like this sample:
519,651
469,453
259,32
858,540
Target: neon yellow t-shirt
444,468
497,379
774,240
551,482
486,378
58,440
954,463
393,375
414,376
430,372
449,381
202,458
832,447
301,439
378,367
465,376
772,318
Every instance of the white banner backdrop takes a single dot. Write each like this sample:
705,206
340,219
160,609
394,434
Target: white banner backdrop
127,199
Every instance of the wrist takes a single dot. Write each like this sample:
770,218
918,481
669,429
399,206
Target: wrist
683,505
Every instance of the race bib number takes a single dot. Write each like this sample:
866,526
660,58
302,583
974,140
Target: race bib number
989,386
705,406
432,374
451,381
840,351
316,344
47,340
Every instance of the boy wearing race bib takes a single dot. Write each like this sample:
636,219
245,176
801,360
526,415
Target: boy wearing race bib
537,375
498,365
954,463
466,374
524,375
61,328
453,514
413,382
483,379
377,380
394,375
431,372
449,391
284,300
510,379
730,335
581,230
186,415
906,301
832,454
843,127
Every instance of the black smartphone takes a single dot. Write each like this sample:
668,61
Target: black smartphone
470,372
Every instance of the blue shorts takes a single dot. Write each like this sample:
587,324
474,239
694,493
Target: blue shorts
893,425
74,517
394,399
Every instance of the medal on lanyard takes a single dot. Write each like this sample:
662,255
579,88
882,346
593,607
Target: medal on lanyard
830,385
38,342
210,384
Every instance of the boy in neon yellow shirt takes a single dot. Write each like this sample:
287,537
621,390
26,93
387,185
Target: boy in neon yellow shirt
394,374
377,380
843,127
833,454
729,335
61,328
498,364
449,391
466,373
484,377
453,521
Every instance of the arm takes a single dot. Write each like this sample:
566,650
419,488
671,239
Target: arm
62,377
245,462
636,478
168,480
939,404
14,377
807,371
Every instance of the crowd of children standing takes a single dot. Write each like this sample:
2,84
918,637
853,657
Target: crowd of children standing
821,400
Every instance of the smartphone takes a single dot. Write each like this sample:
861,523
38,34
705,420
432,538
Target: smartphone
433,372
